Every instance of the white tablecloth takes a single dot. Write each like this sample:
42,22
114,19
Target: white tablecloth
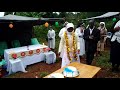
27,60
50,57
15,66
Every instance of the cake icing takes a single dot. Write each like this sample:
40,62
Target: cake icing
70,71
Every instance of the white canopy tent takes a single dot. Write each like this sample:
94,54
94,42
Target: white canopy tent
108,14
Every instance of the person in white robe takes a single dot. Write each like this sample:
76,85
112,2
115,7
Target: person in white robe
63,29
70,45
61,33
51,38
80,32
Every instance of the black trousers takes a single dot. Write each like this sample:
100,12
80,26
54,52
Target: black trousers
89,57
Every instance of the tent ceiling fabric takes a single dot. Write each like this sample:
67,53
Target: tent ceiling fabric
109,14
37,21
15,17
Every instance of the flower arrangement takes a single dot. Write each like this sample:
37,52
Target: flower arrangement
73,46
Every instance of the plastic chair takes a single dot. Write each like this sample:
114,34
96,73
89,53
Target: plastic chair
3,46
16,43
3,62
34,41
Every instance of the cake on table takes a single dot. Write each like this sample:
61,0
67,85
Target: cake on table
70,71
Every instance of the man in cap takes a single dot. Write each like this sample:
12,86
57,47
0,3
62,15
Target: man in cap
91,37
70,45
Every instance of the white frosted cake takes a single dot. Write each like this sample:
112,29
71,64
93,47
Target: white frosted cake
70,71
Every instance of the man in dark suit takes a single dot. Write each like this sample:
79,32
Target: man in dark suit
91,37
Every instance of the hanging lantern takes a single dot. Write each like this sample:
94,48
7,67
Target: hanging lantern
10,25
114,19
56,24
46,24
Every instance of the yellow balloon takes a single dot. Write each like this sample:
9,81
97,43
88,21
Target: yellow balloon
11,25
46,24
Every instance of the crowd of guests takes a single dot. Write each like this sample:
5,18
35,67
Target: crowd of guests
86,42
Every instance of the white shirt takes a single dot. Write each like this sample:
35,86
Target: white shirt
91,30
117,24
116,35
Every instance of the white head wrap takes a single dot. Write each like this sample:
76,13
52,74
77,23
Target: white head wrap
69,25
102,23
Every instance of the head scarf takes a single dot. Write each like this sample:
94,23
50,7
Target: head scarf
103,24
69,25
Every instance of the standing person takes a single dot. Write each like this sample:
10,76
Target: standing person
91,37
60,35
115,47
63,29
51,38
103,35
70,45
80,32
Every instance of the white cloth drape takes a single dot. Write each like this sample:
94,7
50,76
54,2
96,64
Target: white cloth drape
51,43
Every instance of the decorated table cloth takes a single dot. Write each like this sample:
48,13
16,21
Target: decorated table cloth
28,54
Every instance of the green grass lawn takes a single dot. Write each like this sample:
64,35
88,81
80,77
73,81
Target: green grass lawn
103,61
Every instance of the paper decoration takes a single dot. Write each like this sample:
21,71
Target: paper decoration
30,52
11,25
38,51
23,54
14,56
46,24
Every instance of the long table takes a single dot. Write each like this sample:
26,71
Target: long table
27,59
86,71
